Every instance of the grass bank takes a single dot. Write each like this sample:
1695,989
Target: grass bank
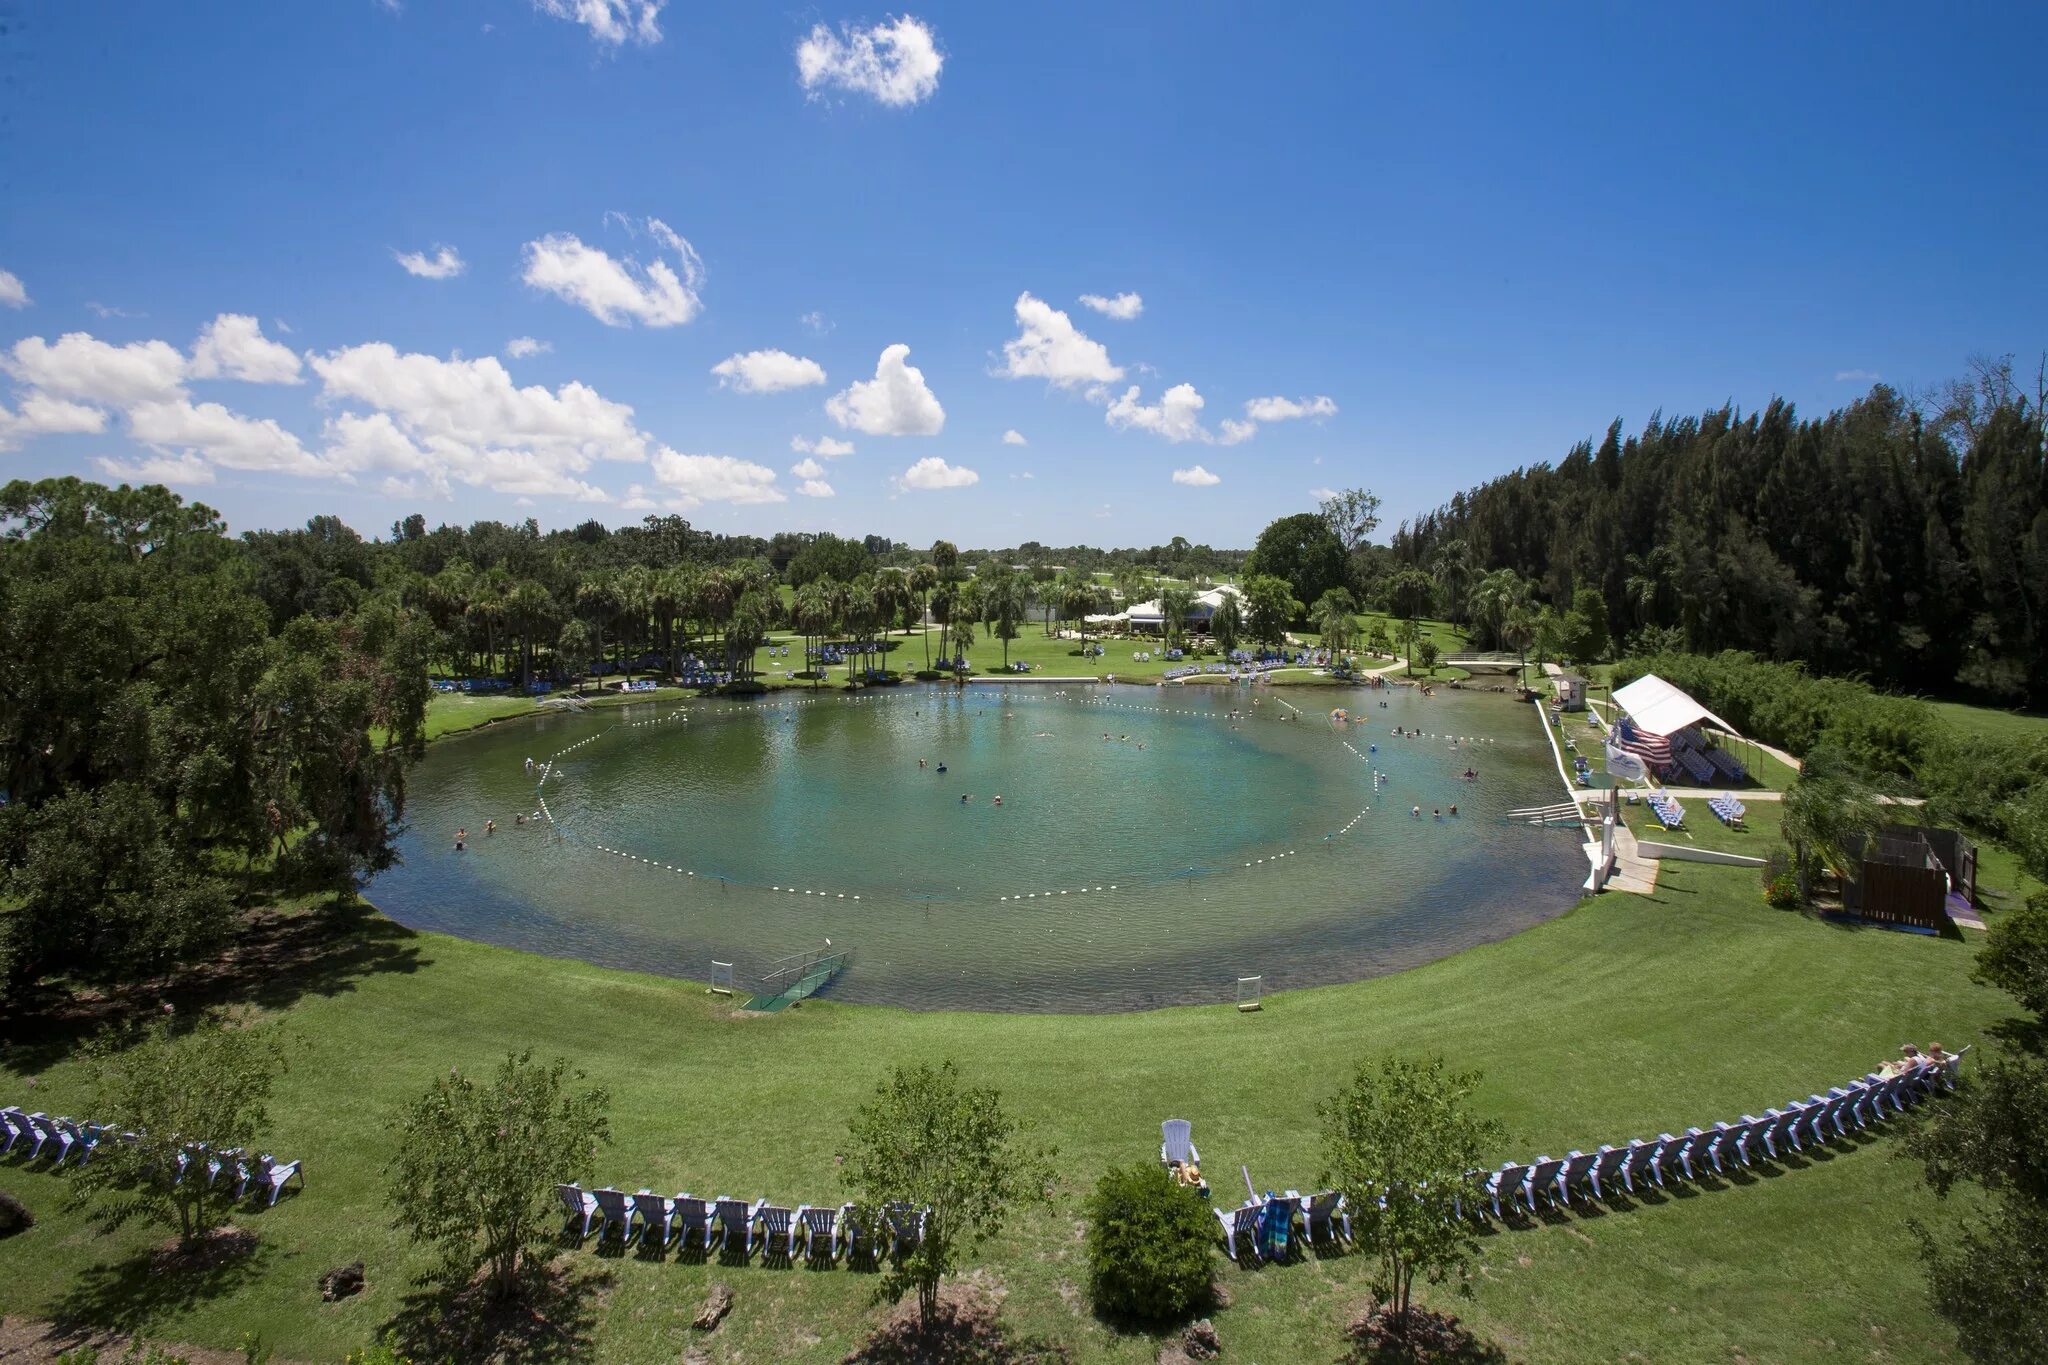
1629,1016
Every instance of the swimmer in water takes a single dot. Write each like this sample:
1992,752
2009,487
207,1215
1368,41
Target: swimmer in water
1415,811
920,763
461,837
490,826
999,800
1454,810
1436,815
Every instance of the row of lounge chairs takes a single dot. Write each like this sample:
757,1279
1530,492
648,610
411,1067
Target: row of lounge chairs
68,1140
817,1233
1692,1154
1727,809
1669,813
1265,1228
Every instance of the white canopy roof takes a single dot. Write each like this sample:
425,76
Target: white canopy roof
1661,709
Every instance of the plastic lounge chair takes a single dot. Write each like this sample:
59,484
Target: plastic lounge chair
773,1224
615,1207
87,1138
1667,1159
1240,1229
580,1206
1324,1214
1511,1179
1777,1131
270,1174
39,1133
1575,1173
1177,1143
1699,1144
229,1161
1607,1164
1543,1180
734,1218
657,1217
13,1127
906,1227
51,1133
818,1227
690,1215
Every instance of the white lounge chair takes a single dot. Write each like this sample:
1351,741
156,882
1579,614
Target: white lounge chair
1241,1229
656,1215
580,1205
1177,1143
691,1215
271,1174
1324,1215
733,1222
818,1226
775,1225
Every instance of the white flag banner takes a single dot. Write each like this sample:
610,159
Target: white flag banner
1623,764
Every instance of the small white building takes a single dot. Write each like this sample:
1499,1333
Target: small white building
1150,616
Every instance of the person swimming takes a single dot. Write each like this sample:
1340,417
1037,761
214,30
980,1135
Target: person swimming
1415,811
1454,810
461,837
490,826
999,799
1436,815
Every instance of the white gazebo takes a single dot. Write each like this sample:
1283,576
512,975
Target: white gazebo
1657,708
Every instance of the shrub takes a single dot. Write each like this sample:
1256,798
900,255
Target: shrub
1148,1245
2014,957
1781,885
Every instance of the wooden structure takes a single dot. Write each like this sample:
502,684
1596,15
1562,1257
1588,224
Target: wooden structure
1912,877
1571,692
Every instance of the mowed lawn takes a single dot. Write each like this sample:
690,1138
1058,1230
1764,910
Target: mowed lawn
1628,1017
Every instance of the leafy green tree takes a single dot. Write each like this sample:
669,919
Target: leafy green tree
1377,640
1271,607
1005,603
1430,652
477,1164
574,648
1227,625
1176,600
1828,816
1304,551
1335,617
1406,633
1149,1245
2014,957
1585,627
1353,515
173,1087
1399,1142
929,1141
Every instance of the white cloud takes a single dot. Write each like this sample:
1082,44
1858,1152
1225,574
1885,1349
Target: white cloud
636,500
1234,431
816,323
1195,477
1857,376
1322,494
446,263
1048,346
1013,437
816,488
897,61
519,348
831,447
82,366
188,470
41,415
1177,415
222,437
610,21
807,469
102,310
767,372
933,472
894,403
1287,409
697,479
13,293
1123,307
618,293
233,347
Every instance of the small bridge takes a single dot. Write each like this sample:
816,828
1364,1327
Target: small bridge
793,978
1484,663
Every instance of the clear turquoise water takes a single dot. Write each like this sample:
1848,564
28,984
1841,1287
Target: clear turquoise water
1190,847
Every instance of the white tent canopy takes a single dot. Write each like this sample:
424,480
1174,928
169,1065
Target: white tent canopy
1656,707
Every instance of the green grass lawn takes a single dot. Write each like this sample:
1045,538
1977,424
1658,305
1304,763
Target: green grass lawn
1628,1017
1991,722
1761,833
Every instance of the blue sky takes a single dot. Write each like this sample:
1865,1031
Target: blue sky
1404,247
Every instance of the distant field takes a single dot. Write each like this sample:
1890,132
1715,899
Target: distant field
1991,722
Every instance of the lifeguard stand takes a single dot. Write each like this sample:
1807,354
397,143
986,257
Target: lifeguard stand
1249,989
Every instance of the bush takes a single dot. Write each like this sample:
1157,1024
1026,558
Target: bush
929,675
1781,885
2014,957
1148,1245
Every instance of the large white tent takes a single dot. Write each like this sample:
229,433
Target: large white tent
1656,707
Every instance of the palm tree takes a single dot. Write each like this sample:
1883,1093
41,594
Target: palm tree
528,608
1335,616
812,611
1828,818
487,607
1008,598
636,590
1175,602
923,578
860,612
597,597
1227,625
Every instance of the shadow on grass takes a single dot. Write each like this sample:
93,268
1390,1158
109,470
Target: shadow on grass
1428,1336
134,1294
551,1317
278,958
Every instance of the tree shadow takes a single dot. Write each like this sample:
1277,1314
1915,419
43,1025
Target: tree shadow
1429,1336
278,958
132,1294
550,1317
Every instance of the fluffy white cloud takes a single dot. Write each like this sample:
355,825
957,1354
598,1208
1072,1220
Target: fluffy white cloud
464,421
1234,431
610,21
1013,437
831,447
445,264
897,61
807,469
1287,409
1322,494
80,365
188,470
1048,346
40,415
103,310
933,472
695,479
1841,376
519,348
224,438
1195,477
619,292
1177,415
813,475
894,403
816,323
767,372
233,347
13,293
636,500
1123,307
